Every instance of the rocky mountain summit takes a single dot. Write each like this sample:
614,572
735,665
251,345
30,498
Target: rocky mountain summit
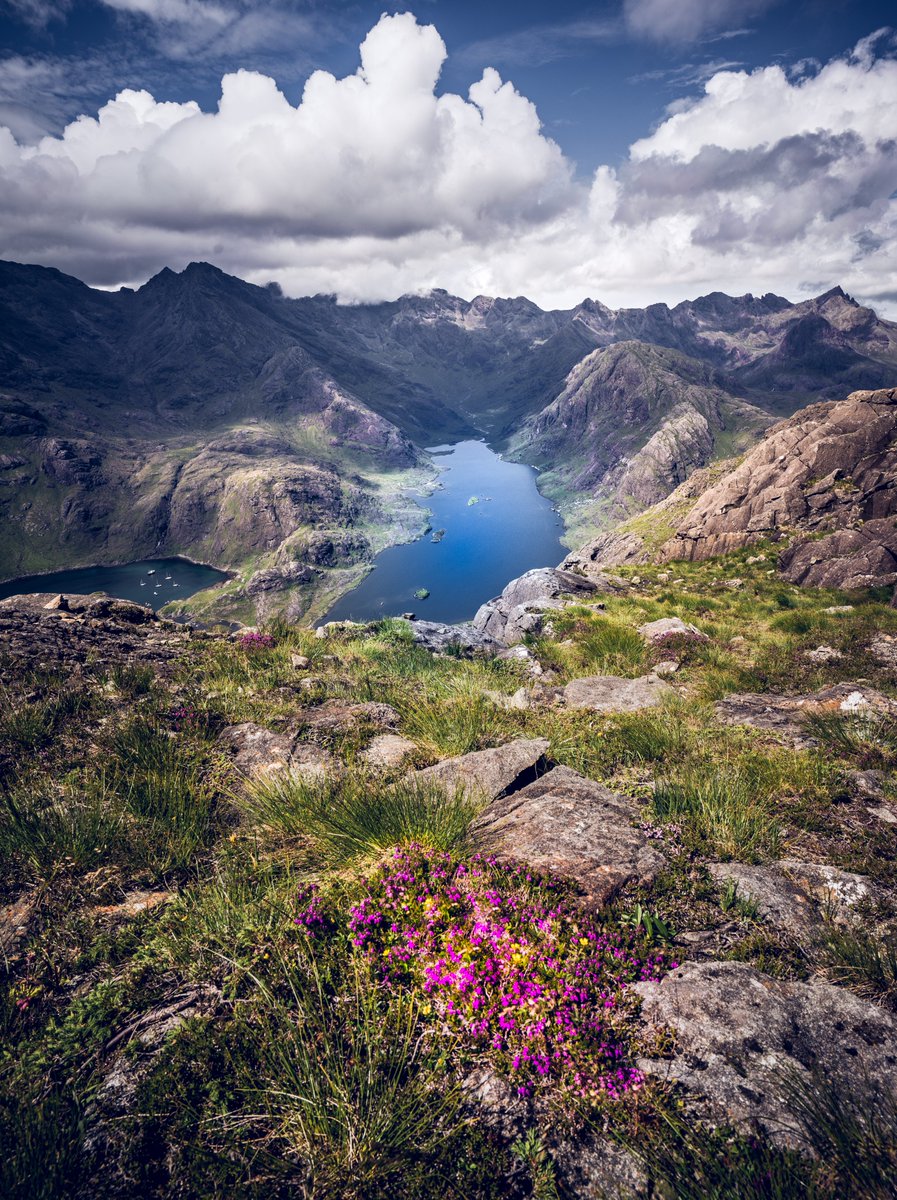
821,486
203,416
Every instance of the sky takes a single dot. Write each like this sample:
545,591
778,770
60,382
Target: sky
634,151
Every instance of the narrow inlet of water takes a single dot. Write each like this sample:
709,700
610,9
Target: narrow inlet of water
489,525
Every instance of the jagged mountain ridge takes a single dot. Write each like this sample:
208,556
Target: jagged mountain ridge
204,415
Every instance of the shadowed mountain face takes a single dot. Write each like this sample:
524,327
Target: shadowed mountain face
206,416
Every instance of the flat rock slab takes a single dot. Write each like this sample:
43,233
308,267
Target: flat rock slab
610,693
795,896
573,826
785,716
737,1031
387,750
340,716
490,773
256,752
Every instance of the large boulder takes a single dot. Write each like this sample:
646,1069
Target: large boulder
490,773
522,606
739,1036
571,825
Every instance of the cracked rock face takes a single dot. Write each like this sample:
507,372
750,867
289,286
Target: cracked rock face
829,474
573,826
739,1034
490,773
795,896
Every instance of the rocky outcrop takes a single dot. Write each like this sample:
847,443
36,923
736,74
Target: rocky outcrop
826,480
526,601
463,638
571,825
743,1038
658,632
257,752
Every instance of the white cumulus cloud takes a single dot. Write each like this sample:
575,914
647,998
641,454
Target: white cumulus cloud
375,184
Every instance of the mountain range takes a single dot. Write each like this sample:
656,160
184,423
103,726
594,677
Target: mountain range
276,437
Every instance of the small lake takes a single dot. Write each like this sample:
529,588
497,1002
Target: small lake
154,581
496,527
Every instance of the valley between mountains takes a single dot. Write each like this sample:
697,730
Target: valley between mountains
282,439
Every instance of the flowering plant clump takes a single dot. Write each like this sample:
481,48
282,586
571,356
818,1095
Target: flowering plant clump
256,641
507,962
182,716
311,915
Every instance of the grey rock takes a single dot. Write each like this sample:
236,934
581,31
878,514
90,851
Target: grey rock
795,896
667,667
489,773
597,1168
883,649
610,693
341,716
387,750
823,654
571,825
438,637
786,716
866,785
521,607
738,1031
257,752
665,627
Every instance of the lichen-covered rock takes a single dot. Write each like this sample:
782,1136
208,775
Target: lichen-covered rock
566,823
786,716
464,638
610,693
387,750
739,1034
795,896
667,627
486,774
257,752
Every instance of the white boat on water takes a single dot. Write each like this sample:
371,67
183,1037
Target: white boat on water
152,572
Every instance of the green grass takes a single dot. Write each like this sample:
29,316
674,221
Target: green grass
357,815
729,811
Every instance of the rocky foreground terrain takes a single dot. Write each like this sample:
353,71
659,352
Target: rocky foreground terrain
593,897
279,438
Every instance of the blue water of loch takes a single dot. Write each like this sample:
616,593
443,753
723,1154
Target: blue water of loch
509,530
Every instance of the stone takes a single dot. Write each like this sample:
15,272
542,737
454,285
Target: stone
15,920
785,716
610,693
486,774
340,716
739,1032
834,609
575,827
257,752
522,606
667,667
135,904
883,649
668,627
387,750
58,603
464,639
300,662
823,654
865,785
596,1166
793,896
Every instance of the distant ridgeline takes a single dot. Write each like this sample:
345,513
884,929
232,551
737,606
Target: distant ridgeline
278,439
